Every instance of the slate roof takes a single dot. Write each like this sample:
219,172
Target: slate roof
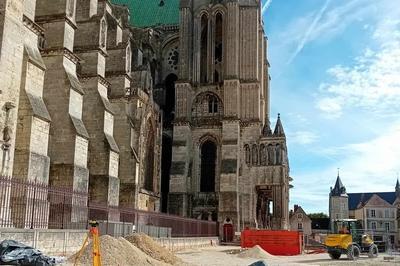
356,198
339,189
149,13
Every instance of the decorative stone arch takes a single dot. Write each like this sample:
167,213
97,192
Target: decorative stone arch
218,8
278,156
207,104
271,154
263,155
148,138
170,55
202,11
254,154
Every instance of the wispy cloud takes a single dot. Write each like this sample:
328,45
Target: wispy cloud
372,82
266,6
309,31
365,167
302,137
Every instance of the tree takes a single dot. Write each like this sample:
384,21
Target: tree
317,215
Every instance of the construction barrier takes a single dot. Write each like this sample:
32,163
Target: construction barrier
284,243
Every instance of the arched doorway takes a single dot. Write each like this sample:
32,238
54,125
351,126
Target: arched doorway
208,165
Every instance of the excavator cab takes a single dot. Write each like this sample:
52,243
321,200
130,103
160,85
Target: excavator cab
347,237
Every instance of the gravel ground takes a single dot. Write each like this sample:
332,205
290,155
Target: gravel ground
223,255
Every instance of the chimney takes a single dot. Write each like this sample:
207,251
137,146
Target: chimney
296,207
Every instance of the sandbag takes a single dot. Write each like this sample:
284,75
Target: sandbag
15,253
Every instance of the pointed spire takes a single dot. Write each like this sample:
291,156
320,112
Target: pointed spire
397,187
279,132
339,189
267,129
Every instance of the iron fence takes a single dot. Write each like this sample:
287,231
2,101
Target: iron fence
32,204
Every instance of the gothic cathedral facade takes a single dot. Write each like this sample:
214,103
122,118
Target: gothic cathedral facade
227,164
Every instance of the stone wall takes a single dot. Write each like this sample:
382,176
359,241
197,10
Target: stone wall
50,242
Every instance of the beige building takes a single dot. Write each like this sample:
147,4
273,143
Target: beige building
380,217
378,212
299,221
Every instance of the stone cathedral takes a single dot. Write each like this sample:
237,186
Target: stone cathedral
160,105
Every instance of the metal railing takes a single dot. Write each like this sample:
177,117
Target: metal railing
32,204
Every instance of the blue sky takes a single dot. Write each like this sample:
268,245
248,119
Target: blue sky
335,67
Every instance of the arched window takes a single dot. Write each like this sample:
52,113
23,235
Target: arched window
247,154
204,49
263,155
208,164
271,154
128,59
254,155
212,104
278,159
149,160
207,104
218,47
103,31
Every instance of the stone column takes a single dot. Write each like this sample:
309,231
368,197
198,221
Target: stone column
186,40
63,94
11,55
181,157
90,45
31,162
228,206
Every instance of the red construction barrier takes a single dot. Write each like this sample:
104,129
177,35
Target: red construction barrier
285,243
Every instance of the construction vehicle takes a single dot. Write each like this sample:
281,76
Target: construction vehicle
348,237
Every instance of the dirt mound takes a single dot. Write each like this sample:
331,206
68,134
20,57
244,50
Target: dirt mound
153,249
118,252
255,252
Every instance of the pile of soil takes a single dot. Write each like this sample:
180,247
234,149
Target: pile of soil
255,252
115,251
153,249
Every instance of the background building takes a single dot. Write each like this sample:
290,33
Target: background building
377,211
299,221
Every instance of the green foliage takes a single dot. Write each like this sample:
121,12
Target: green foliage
317,215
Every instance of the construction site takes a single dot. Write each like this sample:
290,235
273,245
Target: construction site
140,132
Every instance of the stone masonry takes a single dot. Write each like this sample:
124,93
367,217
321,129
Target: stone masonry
170,115
70,107
222,120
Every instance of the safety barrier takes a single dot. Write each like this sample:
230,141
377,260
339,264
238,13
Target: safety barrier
285,243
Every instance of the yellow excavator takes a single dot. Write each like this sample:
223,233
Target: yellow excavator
347,237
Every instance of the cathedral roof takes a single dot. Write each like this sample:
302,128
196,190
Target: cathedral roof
150,13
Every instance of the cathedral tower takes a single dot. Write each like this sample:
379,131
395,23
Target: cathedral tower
338,201
223,167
